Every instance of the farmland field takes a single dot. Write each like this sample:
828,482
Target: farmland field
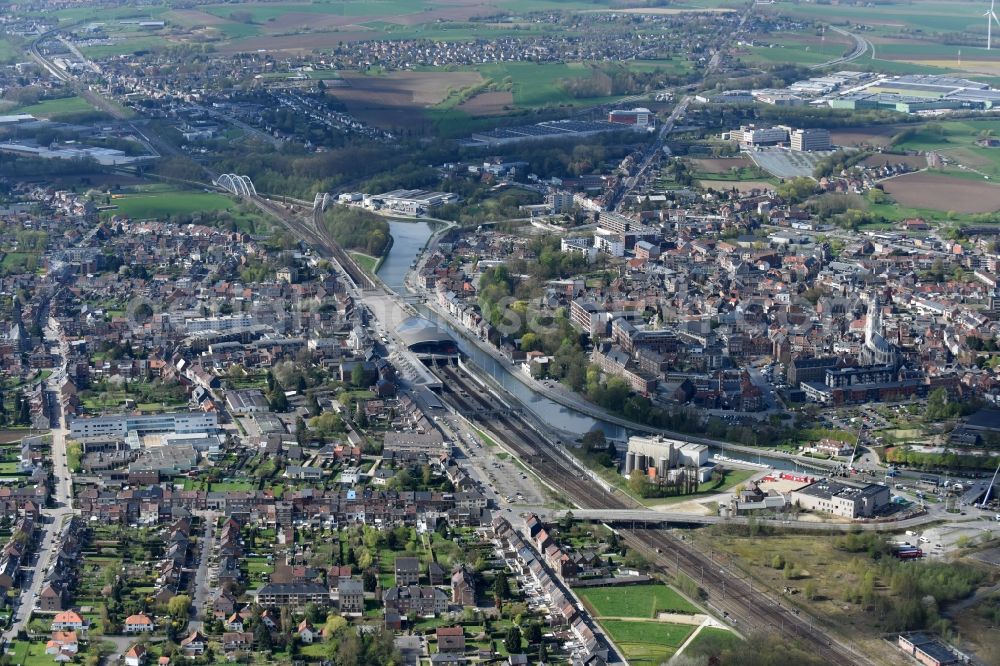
54,108
720,165
944,192
124,46
801,49
537,85
638,601
931,16
906,36
739,185
870,136
397,99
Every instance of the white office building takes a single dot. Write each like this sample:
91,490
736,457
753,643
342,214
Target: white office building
120,425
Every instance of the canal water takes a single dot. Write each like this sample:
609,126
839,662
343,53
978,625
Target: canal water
409,239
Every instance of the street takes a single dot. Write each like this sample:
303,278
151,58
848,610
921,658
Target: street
61,507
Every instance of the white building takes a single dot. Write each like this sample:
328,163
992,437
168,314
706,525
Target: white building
663,455
120,425
761,136
811,139
609,244
219,324
579,246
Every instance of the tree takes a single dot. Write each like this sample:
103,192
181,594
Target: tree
24,412
359,376
595,440
334,624
501,586
262,637
369,580
179,606
278,400
512,640
533,634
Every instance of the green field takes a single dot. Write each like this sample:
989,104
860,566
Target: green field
366,261
127,45
18,262
638,601
802,51
8,52
54,108
957,139
928,16
717,638
537,85
647,642
262,13
104,13
171,202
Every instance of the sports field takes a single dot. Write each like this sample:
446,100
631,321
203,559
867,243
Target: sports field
638,601
148,205
647,642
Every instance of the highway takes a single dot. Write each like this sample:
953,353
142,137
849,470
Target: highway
861,46
729,594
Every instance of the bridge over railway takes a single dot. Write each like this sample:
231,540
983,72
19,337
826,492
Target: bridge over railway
241,186
649,517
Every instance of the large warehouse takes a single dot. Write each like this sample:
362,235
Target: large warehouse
422,336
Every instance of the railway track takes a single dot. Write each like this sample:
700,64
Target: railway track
730,594
517,435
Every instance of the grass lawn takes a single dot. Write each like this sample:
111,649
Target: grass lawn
173,202
128,45
316,650
638,601
258,566
29,654
239,486
19,262
647,642
733,477
8,53
53,108
366,261
715,637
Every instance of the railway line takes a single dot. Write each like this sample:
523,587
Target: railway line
519,436
729,593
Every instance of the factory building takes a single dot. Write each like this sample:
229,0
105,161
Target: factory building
639,117
660,456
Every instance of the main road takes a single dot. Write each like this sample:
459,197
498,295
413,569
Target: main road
60,508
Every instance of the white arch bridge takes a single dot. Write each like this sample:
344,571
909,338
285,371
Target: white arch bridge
241,186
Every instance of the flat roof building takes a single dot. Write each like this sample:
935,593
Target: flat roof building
842,499
810,139
120,425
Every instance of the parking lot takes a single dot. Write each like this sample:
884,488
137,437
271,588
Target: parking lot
512,483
